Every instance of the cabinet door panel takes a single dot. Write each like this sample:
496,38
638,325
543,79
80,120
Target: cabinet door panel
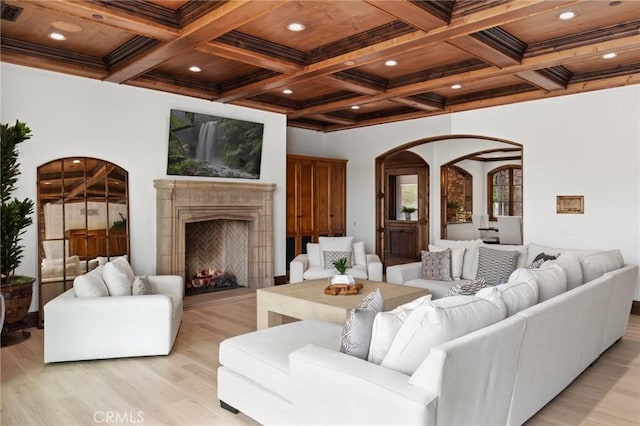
323,198
338,206
305,210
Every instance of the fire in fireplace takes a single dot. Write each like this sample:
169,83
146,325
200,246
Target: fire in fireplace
209,280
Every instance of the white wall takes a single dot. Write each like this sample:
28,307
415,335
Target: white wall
72,116
586,144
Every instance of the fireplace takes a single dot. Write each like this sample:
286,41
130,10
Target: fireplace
188,207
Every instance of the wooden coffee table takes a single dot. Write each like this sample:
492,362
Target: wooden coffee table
307,300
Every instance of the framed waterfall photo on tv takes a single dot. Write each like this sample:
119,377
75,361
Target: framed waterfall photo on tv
210,146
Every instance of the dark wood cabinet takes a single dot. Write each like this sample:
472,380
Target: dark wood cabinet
316,201
403,245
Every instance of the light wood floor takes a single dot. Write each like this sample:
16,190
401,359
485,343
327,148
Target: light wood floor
180,389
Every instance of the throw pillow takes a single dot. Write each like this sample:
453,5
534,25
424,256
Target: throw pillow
141,286
359,255
551,280
333,256
90,284
435,323
436,265
495,266
386,326
356,333
313,254
516,296
470,258
571,264
467,288
457,258
596,265
118,276
335,243
540,259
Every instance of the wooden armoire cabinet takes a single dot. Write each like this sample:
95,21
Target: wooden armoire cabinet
316,201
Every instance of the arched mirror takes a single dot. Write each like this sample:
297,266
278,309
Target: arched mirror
83,211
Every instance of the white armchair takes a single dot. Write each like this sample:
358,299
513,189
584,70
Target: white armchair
315,264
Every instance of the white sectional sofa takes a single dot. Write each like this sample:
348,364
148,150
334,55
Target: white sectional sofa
500,374
87,323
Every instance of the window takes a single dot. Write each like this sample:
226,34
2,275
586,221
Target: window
505,191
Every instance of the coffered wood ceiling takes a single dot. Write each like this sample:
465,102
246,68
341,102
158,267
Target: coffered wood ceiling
499,52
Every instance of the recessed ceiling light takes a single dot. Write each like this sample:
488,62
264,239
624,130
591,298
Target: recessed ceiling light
57,36
287,91
355,107
195,68
391,63
295,26
76,161
565,16
609,55
615,3
350,63
97,16
456,86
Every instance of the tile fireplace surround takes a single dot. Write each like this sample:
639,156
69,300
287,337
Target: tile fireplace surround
181,201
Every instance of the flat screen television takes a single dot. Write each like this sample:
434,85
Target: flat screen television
211,146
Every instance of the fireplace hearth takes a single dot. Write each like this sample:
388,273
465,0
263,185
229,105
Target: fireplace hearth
181,203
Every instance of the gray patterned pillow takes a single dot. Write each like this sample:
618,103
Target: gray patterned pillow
141,286
436,265
495,266
332,256
356,333
467,288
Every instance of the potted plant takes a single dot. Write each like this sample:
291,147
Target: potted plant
407,210
15,218
341,266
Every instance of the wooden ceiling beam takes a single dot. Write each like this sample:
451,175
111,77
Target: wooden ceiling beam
409,12
333,119
540,80
110,17
28,60
561,56
219,21
350,85
483,51
245,56
504,100
474,22
418,104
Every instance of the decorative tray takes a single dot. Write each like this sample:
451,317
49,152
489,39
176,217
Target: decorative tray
343,289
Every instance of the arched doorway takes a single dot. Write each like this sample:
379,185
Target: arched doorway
450,149
405,208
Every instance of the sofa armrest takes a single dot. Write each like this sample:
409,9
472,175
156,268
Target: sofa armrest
374,267
330,388
297,268
167,284
399,274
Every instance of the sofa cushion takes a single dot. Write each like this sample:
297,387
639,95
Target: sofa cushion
467,288
335,243
595,265
571,265
359,254
90,284
263,356
387,324
470,262
141,286
515,295
356,333
435,323
535,249
457,258
495,266
551,280
118,276
436,265
57,267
